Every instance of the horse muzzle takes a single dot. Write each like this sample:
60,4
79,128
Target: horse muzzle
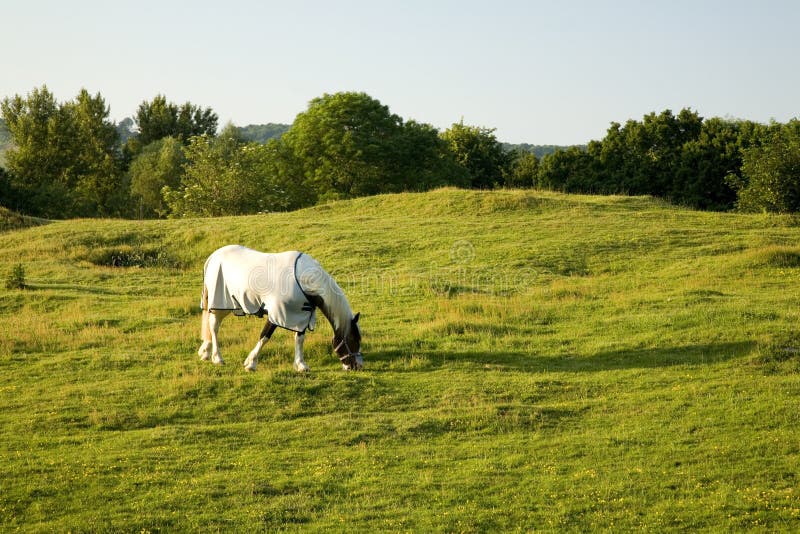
353,362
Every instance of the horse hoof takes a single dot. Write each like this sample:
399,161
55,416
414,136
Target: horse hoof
301,368
249,369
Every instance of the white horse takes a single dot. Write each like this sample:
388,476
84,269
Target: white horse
288,287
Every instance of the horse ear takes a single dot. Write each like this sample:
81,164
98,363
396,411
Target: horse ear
355,319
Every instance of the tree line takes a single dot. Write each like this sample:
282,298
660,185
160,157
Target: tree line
68,159
713,164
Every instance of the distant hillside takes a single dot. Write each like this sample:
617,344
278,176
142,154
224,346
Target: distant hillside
126,128
538,150
261,133
5,140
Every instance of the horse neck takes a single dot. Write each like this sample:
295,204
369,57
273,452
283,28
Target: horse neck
336,309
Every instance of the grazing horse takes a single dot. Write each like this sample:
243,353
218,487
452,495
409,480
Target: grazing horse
288,287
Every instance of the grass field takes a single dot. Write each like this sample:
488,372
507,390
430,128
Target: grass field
535,362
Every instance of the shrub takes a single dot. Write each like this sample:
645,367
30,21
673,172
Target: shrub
16,280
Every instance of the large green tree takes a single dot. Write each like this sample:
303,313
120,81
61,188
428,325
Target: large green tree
97,172
225,175
523,169
680,157
700,179
160,164
478,151
214,181
770,179
342,143
36,123
565,170
64,161
422,160
349,144
160,118
642,157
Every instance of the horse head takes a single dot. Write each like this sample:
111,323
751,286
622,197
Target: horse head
347,346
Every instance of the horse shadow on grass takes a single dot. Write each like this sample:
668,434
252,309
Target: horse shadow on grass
629,358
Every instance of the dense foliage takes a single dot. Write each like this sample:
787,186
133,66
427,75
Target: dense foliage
349,144
160,118
681,158
160,164
68,159
65,161
223,175
478,151
772,172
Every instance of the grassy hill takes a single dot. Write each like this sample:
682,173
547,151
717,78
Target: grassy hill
261,133
535,361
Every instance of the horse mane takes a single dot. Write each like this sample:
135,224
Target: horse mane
333,303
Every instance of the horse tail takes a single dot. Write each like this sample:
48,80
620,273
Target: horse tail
205,329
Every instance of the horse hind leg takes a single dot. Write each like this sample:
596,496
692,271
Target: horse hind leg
214,320
205,334
299,362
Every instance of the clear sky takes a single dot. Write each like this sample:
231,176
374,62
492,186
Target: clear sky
541,72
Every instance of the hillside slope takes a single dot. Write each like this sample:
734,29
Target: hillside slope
534,361
11,220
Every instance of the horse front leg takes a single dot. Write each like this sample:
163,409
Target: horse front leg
214,320
252,359
299,363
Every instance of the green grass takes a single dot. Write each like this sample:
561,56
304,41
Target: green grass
535,361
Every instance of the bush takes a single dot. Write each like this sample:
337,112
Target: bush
16,280
778,355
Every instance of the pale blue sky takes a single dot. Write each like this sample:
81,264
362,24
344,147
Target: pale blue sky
542,72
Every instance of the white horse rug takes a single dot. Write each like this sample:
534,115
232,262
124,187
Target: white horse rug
246,281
